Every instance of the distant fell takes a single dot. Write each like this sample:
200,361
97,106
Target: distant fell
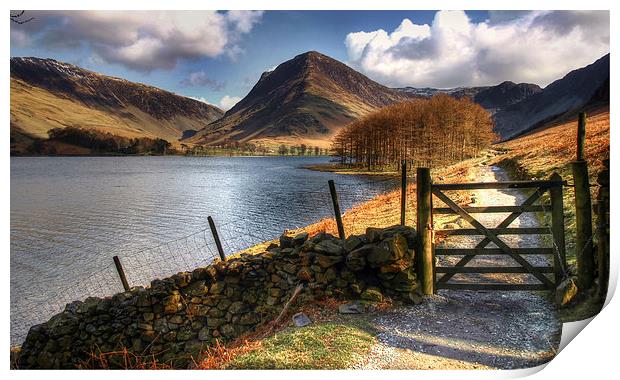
577,90
305,99
492,98
47,94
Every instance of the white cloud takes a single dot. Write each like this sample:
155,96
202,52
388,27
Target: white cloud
201,79
203,100
244,21
228,102
536,47
141,40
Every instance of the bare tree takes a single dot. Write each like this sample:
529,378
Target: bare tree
19,17
430,132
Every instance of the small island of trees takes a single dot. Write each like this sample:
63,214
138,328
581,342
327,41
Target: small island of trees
429,132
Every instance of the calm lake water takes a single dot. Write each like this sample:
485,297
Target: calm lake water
70,215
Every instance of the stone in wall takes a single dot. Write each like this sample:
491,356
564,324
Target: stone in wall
176,318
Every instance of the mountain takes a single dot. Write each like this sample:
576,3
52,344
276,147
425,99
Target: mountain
492,98
47,94
505,94
304,100
578,89
429,92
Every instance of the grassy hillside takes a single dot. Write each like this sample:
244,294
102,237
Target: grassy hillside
34,111
551,149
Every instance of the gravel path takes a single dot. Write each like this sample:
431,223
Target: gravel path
458,329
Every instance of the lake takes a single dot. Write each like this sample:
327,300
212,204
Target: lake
71,215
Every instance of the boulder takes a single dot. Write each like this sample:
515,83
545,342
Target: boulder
215,322
415,297
301,320
325,277
566,291
351,308
372,295
329,247
388,251
172,304
196,288
352,243
398,266
356,260
288,241
238,307
249,319
404,281
326,261
378,256
306,258
300,239
357,287
304,274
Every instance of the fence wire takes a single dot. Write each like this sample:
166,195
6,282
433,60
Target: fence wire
42,296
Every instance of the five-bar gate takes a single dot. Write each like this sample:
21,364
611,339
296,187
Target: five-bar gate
434,277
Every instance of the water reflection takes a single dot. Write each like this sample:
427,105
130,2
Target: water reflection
70,215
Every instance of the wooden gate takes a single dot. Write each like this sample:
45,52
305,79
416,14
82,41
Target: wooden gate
434,277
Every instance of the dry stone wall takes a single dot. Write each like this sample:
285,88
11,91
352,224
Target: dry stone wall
176,318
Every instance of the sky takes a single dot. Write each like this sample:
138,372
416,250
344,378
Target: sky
217,56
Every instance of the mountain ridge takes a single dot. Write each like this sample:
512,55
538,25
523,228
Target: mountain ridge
306,99
46,94
309,96
576,90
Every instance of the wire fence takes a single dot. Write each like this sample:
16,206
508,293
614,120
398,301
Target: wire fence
41,297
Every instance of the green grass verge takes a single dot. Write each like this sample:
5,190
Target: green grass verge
330,345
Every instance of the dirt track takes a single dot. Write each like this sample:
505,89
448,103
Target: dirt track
458,329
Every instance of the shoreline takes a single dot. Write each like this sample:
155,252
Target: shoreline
162,155
339,169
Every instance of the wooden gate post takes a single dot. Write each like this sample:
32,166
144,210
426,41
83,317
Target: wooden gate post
583,212
425,232
337,213
403,192
557,227
602,229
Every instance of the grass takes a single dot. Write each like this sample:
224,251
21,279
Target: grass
328,345
34,111
122,358
384,210
333,341
552,149
337,168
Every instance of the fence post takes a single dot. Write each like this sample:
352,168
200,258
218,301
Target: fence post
583,211
216,238
602,228
424,227
581,136
557,227
121,273
403,191
337,213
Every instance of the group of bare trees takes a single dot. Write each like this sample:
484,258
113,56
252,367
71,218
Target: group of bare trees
301,150
427,132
